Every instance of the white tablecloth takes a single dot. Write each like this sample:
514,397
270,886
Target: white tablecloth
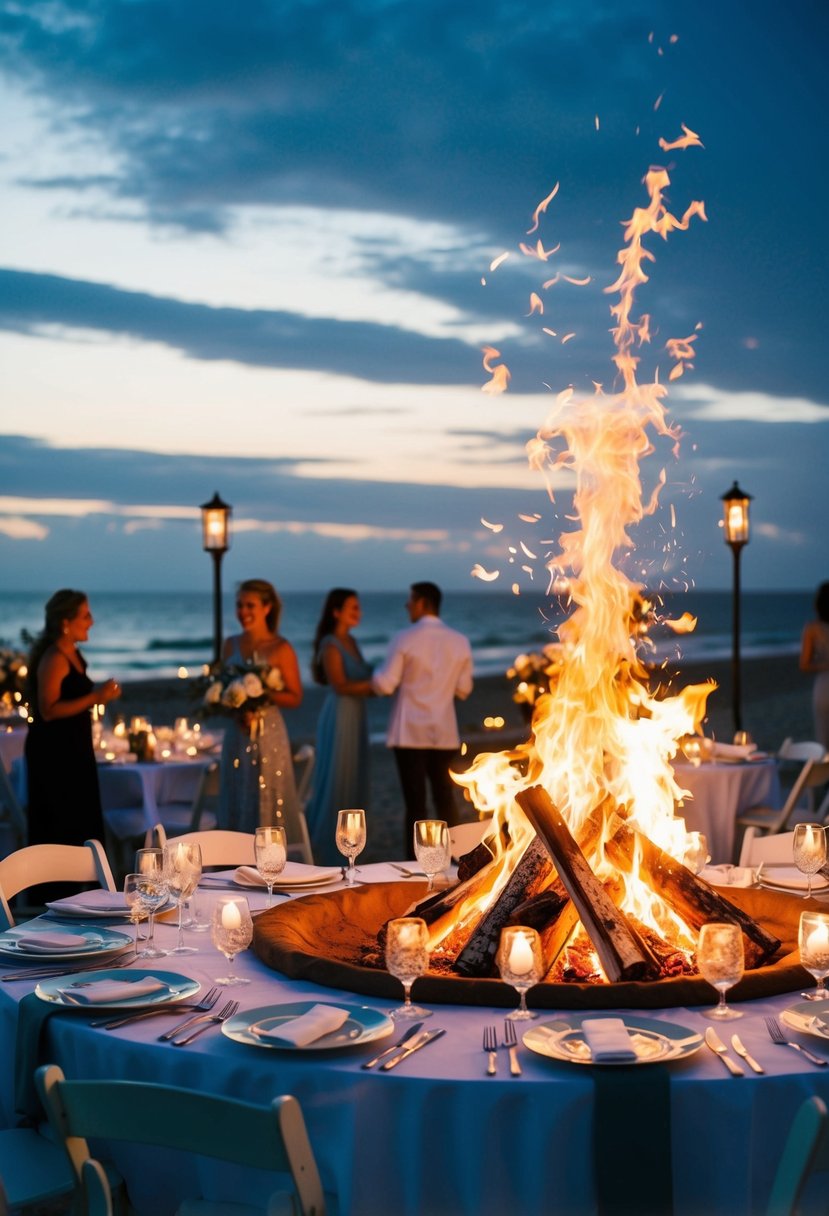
148,786
436,1136
719,793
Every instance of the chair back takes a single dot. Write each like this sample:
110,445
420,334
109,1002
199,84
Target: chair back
206,796
272,1137
757,848
39,863
807,749
806,1151
218,846
304,761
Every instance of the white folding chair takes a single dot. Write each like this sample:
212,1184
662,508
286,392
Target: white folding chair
39,863
758,848
199,814
809,771
463,837
218,847
272,1137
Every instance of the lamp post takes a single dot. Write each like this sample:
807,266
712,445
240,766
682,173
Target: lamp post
215,524
736,527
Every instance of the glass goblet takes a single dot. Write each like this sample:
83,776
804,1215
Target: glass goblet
351,838
407,957
521,965
720,962
809,848
231,931
133,902
152,894
271,850
182,871
697,855
431,846
813,940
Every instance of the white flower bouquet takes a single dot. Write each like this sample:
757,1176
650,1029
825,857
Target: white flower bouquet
241,691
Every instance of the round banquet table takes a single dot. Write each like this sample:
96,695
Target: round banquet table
719,792
436,1135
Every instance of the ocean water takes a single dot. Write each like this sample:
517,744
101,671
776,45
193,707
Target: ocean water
144,635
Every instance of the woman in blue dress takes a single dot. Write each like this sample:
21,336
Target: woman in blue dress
342,766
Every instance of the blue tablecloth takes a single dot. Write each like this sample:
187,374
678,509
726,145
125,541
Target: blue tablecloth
436,1136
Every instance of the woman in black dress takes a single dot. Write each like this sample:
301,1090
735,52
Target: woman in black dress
64,799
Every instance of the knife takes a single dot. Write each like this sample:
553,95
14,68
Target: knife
713,1040
410,1030
422,1040
737,1044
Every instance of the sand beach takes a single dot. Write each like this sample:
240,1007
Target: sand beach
776,699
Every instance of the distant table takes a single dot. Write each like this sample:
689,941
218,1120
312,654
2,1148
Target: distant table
146,786
719,793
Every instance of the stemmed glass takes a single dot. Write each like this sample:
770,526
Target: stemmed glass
813,940
152,894
232,931
271,850
521,965
351,838
407,957
182,871
809,847
697,854
720,962
431,846
133,902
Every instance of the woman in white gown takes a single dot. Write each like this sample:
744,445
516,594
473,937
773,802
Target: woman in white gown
257,773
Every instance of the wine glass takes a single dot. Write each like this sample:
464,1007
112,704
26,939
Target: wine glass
720,962
407,957
813,940
351,838
231,931
133,902
809,847
152,894
431,846
697,854
271,849
182,871
521,965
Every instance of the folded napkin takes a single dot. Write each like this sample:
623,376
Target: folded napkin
51,943
730,876
294,874
99,992
97,902
732,751
307,1028
608,1040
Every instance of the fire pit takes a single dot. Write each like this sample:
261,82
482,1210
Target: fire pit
322,938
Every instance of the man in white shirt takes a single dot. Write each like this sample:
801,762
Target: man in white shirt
427,667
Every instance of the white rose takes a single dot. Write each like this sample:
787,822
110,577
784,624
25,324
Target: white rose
273,679
213,694
253,685
235,694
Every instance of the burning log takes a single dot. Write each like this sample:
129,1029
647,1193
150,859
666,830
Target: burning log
690,897
622,953
527,878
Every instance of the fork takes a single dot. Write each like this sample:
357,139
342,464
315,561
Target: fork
511,1042
491,1047
206,1021
777,1036
207,1002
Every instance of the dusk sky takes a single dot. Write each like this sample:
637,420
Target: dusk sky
243,249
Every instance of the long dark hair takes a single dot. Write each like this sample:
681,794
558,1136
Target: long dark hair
333,603
64,605
268,595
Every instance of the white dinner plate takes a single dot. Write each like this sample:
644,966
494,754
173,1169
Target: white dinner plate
175,987
98,941
363,1025
295,875
789,878
808,1017
653,1040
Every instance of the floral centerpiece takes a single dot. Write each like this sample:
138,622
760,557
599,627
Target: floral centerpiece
240,691
13,671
